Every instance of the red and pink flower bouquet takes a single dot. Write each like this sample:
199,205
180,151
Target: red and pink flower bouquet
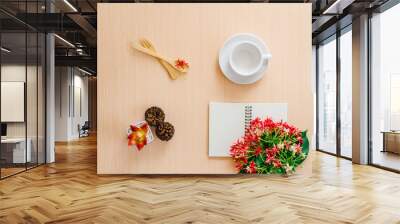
270,147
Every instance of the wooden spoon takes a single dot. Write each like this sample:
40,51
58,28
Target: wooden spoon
156,55
171,71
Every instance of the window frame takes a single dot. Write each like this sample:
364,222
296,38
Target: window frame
336,36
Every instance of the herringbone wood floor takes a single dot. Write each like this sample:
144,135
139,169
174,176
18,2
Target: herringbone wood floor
69,191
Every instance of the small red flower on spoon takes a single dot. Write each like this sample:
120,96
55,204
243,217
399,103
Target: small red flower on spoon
181,63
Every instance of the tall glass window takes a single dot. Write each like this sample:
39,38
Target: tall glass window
327,96
346,93
385,89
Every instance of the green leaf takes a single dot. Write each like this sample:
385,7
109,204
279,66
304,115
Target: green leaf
259,161
306,143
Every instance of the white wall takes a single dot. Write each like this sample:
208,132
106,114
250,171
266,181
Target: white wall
34,126
62,82
10,73
79,117
69,82
16,73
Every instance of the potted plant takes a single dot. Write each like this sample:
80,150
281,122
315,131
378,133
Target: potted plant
270,147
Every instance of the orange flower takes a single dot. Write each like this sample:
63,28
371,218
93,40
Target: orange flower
138,136
298,149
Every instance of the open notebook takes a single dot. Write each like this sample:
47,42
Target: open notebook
227,122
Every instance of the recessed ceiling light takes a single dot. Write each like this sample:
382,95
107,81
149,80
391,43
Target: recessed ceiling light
337,7
64,40
5,50
84,71
70,5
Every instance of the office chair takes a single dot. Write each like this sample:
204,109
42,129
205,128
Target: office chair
84,130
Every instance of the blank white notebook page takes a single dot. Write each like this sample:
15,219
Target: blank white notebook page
227,122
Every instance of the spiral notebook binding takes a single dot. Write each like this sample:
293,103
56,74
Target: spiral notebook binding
248,114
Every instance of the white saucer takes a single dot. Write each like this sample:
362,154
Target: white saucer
225,53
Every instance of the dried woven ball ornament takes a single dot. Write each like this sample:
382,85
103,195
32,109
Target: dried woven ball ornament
154,115
165,131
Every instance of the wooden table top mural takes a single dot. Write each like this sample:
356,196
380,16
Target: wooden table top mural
129,82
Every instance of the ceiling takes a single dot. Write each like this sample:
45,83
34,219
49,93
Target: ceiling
76,22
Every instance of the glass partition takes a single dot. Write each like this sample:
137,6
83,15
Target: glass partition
41,97
22,101
13,94
31,99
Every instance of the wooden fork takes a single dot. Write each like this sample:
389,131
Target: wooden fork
156,55
171,71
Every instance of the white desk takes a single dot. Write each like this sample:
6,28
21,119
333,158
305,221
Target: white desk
19,149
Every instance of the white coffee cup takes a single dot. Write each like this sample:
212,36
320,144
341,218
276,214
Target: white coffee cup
246,58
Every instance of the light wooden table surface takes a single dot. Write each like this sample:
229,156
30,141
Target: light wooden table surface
130,82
